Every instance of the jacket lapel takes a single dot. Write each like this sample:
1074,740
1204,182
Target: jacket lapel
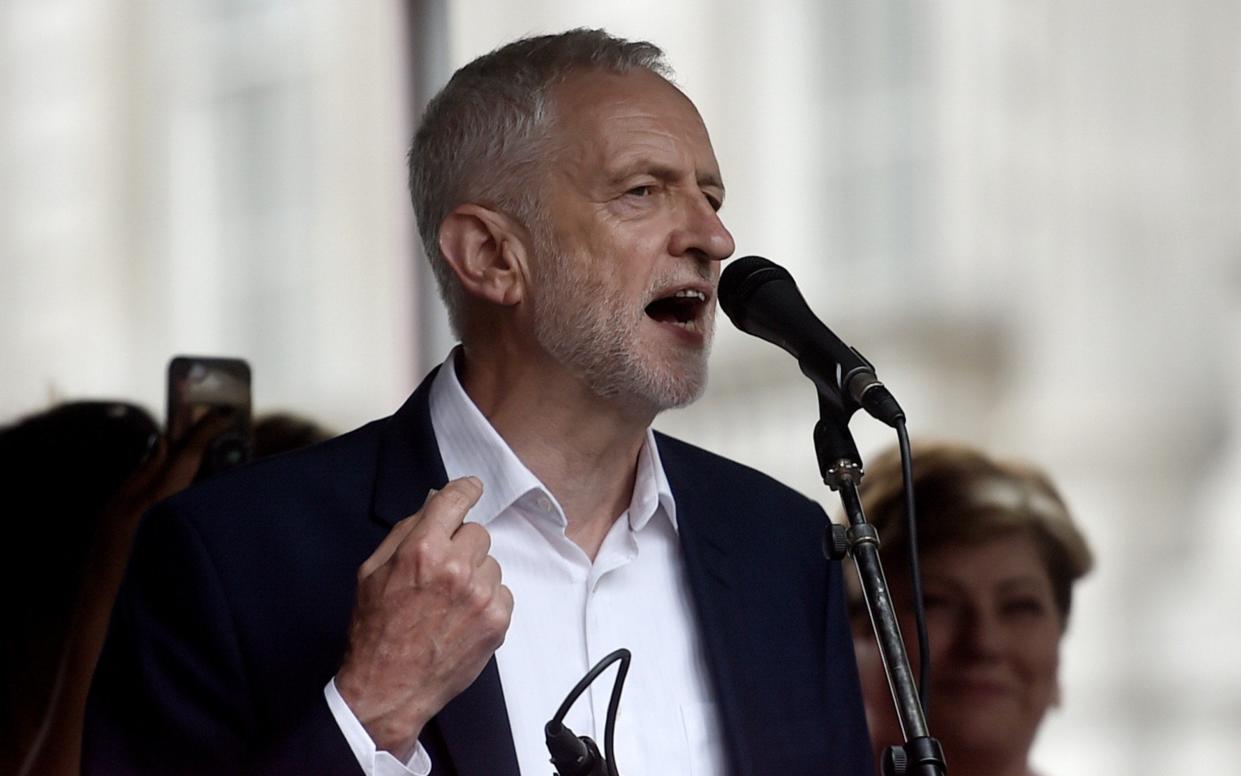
771,622
711,556
409,459
474,726
476,731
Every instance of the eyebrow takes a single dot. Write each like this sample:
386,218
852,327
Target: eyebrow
711,179
665,173
1005,585
1023,584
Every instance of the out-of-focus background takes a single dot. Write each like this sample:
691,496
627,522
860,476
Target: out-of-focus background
1027,213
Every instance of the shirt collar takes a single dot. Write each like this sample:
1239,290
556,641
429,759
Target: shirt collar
469,444
650,487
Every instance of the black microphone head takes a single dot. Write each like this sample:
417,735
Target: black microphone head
761,298
739,281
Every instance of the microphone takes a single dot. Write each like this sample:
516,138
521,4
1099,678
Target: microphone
571,754
574,755
761,298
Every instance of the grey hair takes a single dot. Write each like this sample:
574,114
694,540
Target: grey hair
485,137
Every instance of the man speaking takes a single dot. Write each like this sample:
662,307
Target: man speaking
417,596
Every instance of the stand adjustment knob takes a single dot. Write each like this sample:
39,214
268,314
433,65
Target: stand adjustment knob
921,755
836,542
895,761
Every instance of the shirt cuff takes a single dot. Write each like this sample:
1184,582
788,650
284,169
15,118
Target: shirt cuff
373,762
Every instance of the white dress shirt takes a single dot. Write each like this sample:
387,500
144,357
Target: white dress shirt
569,612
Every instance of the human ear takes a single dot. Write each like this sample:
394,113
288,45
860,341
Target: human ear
486,252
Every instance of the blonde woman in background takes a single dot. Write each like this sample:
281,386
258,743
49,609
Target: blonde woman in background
1000,554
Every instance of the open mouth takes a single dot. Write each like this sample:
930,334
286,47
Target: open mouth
685,308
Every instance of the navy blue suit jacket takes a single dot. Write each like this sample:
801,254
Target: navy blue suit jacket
235,610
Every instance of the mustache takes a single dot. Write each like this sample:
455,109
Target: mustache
702,271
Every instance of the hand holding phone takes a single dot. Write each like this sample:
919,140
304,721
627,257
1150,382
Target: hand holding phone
198,386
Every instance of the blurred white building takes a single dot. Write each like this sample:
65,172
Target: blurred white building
1026,213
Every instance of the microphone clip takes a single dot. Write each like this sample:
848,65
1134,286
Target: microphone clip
574,755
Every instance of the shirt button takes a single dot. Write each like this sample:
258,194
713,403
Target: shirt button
544,503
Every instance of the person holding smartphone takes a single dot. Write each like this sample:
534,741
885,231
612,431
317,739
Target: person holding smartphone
93,467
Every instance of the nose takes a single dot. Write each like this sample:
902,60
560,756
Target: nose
981,635
701,234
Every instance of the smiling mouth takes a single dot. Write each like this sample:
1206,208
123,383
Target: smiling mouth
685,308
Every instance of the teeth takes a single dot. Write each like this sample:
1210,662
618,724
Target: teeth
689,293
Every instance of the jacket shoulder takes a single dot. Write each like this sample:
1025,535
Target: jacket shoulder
331,472
725,474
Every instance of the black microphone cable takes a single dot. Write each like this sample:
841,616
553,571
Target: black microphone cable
575,755
915,568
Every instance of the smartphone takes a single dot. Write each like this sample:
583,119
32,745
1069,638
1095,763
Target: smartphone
198,385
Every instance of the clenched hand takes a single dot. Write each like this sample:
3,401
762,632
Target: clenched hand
430,613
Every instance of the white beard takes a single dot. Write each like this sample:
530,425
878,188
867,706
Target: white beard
597,335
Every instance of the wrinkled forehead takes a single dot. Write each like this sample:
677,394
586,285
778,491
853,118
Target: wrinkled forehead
598,111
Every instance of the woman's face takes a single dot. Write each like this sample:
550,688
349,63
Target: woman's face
994,638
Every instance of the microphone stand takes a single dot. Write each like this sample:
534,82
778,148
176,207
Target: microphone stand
841,468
